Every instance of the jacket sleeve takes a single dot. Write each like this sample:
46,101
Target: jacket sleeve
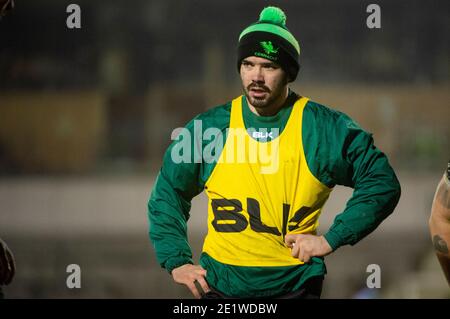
170,201
357,163
185,169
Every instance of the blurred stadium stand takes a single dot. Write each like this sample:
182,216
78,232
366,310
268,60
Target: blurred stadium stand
154,65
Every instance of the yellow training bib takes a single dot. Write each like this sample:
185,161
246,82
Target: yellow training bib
259,192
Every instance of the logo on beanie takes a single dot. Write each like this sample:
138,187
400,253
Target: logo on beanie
269,49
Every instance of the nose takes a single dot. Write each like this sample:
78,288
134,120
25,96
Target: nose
257,75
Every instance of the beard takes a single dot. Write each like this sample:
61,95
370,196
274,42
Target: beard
265,97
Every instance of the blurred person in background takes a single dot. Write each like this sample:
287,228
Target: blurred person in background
262,239
5,7
7,263
439,222
7,266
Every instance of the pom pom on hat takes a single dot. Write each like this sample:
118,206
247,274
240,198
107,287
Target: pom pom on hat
273,15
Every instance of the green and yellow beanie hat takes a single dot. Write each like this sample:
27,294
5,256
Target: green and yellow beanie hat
269,38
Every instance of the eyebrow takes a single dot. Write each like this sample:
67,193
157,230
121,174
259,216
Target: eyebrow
272,64
264,64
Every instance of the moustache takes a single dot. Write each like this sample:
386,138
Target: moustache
258,87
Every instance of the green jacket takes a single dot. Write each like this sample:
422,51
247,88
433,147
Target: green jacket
338,152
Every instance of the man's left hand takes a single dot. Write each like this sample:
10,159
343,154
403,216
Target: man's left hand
306,246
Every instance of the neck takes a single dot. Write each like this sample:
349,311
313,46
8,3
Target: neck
272,108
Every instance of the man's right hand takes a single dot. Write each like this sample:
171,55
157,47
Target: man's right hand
188,274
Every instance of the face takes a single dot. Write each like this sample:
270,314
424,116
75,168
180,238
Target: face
264,82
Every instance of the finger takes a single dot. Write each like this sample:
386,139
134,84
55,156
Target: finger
295,251
306,258
193,289
290,239
301,256
203,284
11,267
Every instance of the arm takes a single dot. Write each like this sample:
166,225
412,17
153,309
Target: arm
338,151
362,166
170,201
7,264
439,224
168,210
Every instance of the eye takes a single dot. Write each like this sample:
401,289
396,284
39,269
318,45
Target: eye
271,66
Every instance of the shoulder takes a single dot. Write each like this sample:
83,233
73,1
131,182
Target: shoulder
217,117
324,116
327,135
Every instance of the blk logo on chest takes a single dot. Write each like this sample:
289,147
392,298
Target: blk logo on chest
262,135
228,217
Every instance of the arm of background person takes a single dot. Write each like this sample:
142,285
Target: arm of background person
439,224
7,264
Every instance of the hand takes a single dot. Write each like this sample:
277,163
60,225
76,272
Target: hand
7,264
188,274
306,246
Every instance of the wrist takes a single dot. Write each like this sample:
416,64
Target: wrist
326,245
333,239
176,262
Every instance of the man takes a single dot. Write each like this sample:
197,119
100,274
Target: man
439,222
7,266
269,160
